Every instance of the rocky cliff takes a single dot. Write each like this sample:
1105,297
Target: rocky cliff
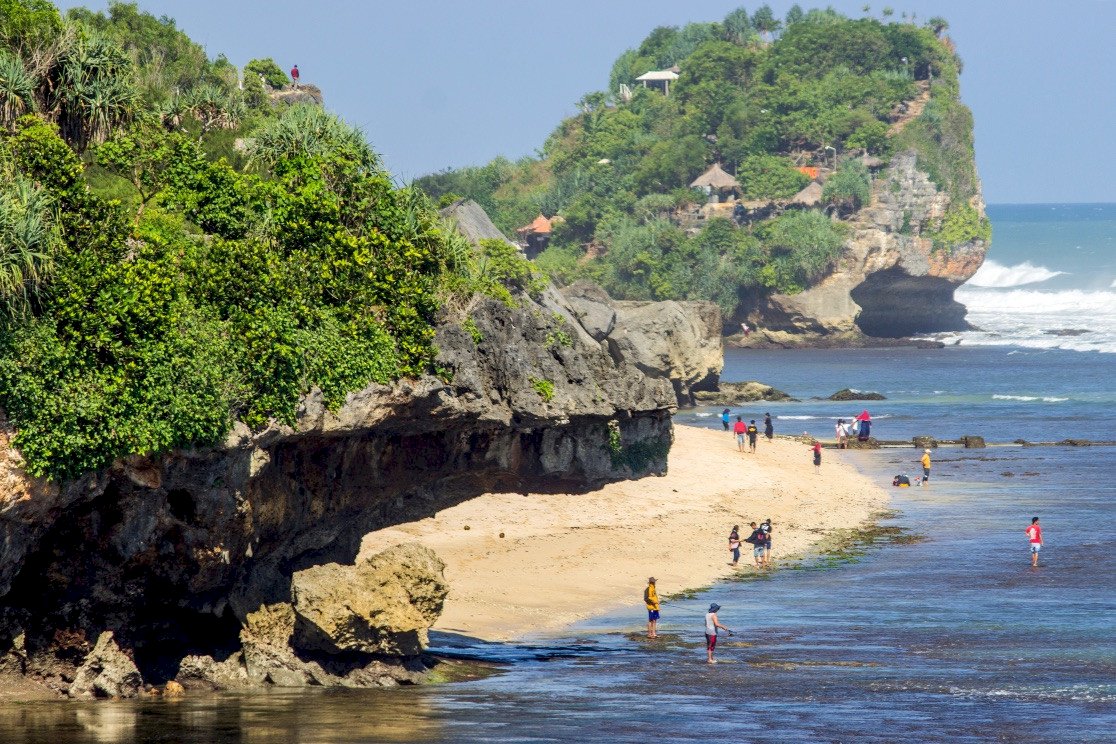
678,341
220,567
890,280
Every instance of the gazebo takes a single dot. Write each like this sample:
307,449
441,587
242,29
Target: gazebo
658,78
535,236
715,181
809,196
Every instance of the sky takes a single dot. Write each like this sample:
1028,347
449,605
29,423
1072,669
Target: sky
443,83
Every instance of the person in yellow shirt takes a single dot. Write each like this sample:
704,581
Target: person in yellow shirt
651,599
925,467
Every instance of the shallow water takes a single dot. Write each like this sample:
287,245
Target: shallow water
951,637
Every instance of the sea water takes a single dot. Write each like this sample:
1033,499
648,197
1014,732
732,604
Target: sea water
939,630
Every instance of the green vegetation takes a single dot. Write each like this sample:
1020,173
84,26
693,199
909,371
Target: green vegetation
156,284
267,69
545,388
962,224
759,95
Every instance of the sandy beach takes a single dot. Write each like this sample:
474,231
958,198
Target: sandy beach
566,557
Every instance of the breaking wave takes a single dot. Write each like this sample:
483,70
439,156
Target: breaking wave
992,274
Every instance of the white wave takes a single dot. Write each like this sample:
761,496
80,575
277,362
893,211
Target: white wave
802,418
1113,285
1028,398
992,274
703,415
1037,320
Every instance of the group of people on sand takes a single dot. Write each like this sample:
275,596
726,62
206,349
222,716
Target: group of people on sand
741,430
759,539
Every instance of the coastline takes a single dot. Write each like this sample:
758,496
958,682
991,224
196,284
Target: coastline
565,558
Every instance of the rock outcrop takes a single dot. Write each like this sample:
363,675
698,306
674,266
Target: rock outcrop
106,672
678,341
195,560
850,394
470,219
890,281
383,605
734,393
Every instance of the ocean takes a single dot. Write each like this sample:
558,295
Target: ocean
933,627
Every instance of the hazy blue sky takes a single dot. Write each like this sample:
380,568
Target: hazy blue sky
439,83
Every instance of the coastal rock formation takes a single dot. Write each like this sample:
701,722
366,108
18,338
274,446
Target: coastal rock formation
383,605
733,393
470,219
679,341
106,672
850,394
195,559
890,281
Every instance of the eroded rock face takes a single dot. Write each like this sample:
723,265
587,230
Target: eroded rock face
678,341
890,281
383,605
188,557
106,672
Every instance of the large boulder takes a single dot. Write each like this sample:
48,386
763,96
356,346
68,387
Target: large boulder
107,672
678,341
733,393
384,605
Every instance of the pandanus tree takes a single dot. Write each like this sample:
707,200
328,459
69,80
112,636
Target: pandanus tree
29,238
88,88
17,89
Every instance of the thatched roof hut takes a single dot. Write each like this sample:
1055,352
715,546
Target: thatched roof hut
472,221
540,226
715,179
809,196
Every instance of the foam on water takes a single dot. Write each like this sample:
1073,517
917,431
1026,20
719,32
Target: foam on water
993,274
1040,320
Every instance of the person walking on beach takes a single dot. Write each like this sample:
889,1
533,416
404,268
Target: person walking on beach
768,427
294,75
925,466
817,457
651,599
712,625
757,541
765,528
738,428
725,419
753,432
734,544
842,434
1034,534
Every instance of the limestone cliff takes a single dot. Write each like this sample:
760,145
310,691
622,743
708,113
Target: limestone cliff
195,561
890,280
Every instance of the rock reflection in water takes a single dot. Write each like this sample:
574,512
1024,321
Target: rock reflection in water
289,717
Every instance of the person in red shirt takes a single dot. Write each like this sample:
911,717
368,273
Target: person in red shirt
817,456
738,429
294,75
1034,534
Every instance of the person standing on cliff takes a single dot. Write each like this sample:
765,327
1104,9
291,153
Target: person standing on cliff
294,75
768,427
925,466
738,429
651,600
1034,534
753,432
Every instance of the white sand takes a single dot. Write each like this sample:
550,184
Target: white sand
568,557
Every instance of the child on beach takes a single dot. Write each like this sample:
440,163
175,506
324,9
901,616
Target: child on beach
734,544
753,432
817,457
725,419
1034,534
712,624
651,599
738,428
842,434
925,466
765,528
